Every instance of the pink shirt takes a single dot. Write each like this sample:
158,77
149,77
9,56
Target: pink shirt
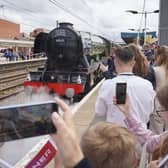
144,135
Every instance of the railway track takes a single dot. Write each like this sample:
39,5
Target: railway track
20,65
12,82
12,75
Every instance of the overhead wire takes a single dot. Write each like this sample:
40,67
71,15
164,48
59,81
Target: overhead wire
85,4
62,6
19,22
25,11
17,6
58,4
29,12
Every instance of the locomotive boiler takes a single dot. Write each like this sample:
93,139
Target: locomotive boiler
72,63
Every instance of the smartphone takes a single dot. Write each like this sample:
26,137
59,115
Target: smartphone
121,90
26,120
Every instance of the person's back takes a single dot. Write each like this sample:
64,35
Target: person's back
161,75
140,91
108,145
151,76
141,97
161,68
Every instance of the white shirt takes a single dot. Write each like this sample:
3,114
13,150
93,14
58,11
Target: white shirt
141,96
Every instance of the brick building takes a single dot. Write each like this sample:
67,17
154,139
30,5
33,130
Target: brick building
36,31
9,30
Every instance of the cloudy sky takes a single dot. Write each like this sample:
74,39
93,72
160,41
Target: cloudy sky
105,17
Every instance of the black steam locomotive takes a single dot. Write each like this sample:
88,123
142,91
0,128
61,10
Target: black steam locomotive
73,59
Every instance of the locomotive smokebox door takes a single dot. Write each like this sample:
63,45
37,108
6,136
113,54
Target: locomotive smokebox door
64,48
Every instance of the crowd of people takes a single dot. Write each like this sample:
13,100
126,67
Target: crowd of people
12,55
122,135
9,54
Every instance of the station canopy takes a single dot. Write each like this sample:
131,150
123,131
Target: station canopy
130,37
16,43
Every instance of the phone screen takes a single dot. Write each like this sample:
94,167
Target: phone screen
121,93
23,121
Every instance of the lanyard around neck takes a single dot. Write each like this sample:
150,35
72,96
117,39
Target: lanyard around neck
126,74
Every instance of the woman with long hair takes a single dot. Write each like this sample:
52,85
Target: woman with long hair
161,66
141,67
161,75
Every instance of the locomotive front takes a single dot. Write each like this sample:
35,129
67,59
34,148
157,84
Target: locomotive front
64,72
64,48
71,67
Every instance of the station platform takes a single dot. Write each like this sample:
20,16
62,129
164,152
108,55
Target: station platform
85,111
3,60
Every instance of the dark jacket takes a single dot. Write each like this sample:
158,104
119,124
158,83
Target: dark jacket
151,76
111,70
84,163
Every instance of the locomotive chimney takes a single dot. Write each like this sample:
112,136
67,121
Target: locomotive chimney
66,24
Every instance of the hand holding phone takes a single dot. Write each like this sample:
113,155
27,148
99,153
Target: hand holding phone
121,90
66,138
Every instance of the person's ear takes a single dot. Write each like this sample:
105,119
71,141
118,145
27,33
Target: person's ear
132,62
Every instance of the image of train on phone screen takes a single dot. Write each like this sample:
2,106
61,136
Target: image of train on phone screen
26,120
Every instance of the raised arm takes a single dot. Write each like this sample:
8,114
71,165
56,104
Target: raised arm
66,139
136,127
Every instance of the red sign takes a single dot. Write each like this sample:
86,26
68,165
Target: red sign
43,157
